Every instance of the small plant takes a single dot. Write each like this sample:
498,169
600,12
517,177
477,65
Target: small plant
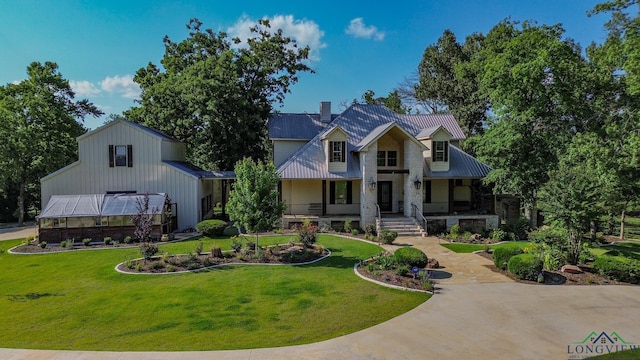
198,247
403,270
211,227
156,265
411,256
250,245
498,234
107,240
454,232
139,267
236,244
386,261
148,249
277,231
355,232
466,235
86,241
129,264
165,257
127,240
230,231
388,236
43,244
216,252
324,228
206,262
193,266
307,234
370,229
171,268
347,226
427,284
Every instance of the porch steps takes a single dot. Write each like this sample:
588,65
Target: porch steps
404,226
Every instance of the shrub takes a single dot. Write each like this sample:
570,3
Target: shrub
617,268
216,252
467,235
370,229
148,249
211,227
230,231
127,240
171,268
355,232
403,270
165,257
411,256
307,234
250,245
43,244
198,247
501,255
520,227
86,241
455,231
347,226
386,261
156,265
236,244
525,266
107,240
498,234
388,236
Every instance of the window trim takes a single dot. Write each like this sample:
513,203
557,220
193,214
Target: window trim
441,155
384,158
337,150
114,157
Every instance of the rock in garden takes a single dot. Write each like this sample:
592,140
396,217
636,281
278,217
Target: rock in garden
571,269
433,264
476,237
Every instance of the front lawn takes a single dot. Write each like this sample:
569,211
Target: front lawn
469,248
76,300
626,249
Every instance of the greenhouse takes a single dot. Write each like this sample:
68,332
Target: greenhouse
97,216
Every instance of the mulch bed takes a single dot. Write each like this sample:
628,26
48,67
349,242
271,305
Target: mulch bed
390,277
35,249
557,277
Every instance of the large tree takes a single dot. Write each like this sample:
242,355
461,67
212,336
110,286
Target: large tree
215,93
39,122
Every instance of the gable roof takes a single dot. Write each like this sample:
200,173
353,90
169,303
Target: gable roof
461,166
295,126
325,134
147,130
428,132
417,122
378,132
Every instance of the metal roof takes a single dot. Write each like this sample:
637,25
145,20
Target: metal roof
309,162
414,123
295,126
428,132
461,166
373,135
148,130
198,172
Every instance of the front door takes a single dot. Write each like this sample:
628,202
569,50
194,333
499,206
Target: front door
384,195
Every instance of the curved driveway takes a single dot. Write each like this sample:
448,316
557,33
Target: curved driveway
474,315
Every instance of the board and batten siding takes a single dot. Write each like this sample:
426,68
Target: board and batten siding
283,149
92,174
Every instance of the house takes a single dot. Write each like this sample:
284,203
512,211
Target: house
123,157
369,162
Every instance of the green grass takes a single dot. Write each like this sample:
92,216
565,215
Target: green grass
627,249
76,300
469,248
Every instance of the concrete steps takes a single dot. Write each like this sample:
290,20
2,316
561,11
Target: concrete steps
404,226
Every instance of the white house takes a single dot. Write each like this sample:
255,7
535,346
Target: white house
125,157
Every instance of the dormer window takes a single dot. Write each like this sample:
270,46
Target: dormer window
441,151
337,151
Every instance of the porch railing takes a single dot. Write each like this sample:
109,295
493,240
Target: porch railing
417,214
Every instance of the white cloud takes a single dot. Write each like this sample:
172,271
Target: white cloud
304,32
84,88
123,85
358,29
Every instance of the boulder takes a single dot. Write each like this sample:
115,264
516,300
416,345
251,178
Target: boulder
433,264
571,269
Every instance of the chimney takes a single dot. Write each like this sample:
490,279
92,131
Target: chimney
325,111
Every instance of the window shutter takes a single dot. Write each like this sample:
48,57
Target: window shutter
446,151
344,151
330,151
349,192
110,155
332,192
129,156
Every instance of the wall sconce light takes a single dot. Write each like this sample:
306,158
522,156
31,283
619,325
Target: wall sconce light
372,184
417,183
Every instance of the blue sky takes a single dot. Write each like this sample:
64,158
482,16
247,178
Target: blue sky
356,45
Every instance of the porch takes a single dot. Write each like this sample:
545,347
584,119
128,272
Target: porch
333,221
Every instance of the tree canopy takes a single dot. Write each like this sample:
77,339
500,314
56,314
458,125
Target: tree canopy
39,122
215,94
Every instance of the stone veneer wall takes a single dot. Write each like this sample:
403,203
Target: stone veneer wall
368,198
413,161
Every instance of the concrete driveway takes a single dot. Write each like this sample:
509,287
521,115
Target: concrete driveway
493,320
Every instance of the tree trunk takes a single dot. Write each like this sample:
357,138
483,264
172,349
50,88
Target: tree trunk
622,216
21,204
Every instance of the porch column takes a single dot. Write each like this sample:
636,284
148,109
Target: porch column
368,196
413,160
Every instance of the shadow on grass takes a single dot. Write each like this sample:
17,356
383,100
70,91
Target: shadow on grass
629,250
31,296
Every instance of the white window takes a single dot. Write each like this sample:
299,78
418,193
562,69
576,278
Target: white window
441,151
336,151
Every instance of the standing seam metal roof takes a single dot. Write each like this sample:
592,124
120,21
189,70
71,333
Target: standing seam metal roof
461,166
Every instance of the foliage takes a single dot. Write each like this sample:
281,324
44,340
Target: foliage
403,270
347,225
370,229
211,227
501,255
618,268
127,240
214,93
197,248
393,101
230,231
253,202
236,244
39,122
519,227
525,266
43,244
387,236
355,232
148,249
107,240
411,256
499,234
86,241
454,232
143,219
307,233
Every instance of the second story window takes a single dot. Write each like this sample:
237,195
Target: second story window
120,155
387,158
337,151
441,151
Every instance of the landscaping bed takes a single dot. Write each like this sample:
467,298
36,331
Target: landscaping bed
396,269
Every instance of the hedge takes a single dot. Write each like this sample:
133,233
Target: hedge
411,256
502,255
211,227
621,269
525,266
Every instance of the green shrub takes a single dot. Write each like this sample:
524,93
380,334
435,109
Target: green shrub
355,232
127,240
171,268
211,227
107,240
156,265
166,257
525,266
230,231
455,231
501,255
86,241
618,268
307,234
467,235
198,247
1,251
43,244
236,244
498,234
411,256
520,227
370,229
148,249
387,236
347,226
403,270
